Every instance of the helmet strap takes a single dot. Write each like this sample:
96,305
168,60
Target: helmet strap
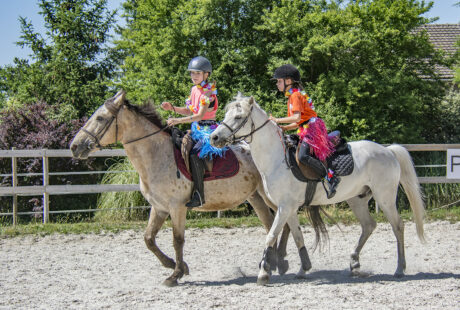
285,85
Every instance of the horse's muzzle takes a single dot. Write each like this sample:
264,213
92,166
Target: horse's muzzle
216,141
81,150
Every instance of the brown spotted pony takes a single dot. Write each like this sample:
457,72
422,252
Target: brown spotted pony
148,145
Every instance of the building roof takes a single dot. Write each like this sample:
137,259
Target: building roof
445,37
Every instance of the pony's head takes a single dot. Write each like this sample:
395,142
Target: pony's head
236,124
109,123
100,129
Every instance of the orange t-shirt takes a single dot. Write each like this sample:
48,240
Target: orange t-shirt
298,102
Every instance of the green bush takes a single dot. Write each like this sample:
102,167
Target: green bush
122,203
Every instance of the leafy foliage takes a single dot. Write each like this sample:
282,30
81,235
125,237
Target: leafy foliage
31,128
72,66
371,75
363,63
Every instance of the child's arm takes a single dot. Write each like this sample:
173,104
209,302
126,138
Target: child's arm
287,120
181,110
289,127
189,119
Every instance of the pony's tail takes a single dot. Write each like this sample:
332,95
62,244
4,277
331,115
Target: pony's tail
411,186
314,215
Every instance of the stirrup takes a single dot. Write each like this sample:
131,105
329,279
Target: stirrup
330,190
330,194
195,201
332,186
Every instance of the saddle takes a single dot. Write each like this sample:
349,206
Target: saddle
218,168
341,161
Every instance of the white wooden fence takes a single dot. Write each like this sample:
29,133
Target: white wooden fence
46,190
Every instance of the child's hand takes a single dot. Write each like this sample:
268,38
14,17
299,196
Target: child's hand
272,118
172,121
166,106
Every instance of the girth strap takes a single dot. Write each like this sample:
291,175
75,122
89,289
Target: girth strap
309,193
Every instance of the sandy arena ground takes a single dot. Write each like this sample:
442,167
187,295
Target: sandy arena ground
117,271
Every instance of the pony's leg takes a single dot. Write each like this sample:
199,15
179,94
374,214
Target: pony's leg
156,220
387,203
178,217
360,208
283,264
262,210
280,220
261,207
305,265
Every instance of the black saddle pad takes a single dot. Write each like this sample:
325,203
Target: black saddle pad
341,161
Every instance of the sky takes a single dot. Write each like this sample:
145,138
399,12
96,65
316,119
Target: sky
12,9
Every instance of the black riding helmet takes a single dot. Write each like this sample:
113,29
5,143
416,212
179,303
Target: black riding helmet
200,63
287,72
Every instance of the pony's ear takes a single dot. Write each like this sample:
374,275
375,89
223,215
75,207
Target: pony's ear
119,98
251,100
114,103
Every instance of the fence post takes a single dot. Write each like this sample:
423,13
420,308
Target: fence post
14,182
46,196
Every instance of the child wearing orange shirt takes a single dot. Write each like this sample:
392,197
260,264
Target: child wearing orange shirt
310,128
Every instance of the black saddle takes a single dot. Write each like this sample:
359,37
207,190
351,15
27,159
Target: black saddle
341,161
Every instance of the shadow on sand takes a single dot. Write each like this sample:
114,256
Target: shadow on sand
328,277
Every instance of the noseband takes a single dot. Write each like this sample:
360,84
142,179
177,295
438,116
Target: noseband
233,138
98,136
114,112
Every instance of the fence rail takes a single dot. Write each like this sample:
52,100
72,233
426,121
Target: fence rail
46,189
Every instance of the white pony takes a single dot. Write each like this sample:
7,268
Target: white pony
377,173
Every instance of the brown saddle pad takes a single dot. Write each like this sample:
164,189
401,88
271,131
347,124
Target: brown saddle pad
301,172
223,167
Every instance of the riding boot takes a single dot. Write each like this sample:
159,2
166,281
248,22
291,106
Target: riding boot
332,181
309,161
197,170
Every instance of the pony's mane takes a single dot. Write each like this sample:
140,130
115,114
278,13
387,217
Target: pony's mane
149,111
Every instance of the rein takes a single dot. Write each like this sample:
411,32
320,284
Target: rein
146,136
98,136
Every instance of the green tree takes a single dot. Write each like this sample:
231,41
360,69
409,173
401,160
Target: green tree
71,65
162,36
370,73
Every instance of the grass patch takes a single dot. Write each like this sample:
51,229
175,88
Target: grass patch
339,215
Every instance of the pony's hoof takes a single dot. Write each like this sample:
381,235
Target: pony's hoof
263,280
355,272
307,266
300,276
355,266
399,274
170,282
283,266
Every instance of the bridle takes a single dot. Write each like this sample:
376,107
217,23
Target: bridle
233,138
97,137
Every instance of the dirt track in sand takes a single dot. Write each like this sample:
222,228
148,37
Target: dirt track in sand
117,271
